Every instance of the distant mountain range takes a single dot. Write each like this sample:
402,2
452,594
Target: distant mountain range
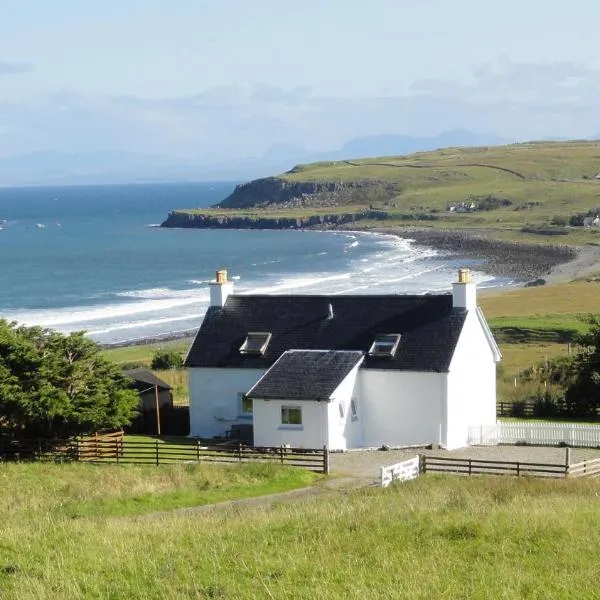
56,168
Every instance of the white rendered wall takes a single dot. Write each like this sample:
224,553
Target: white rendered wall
214,403
471,382
401,408
268,430
343,432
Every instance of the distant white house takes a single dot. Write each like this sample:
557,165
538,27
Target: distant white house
343,371
593,221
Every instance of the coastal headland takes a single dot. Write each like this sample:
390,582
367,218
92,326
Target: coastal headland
526,210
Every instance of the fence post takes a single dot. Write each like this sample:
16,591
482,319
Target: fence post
198,450
469,467
240,451
423,463
117,449
567,460
157,455
326,460
281,453
518,469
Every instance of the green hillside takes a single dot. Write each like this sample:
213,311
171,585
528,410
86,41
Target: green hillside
541,190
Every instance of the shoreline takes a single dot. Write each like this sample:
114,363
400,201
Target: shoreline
527,263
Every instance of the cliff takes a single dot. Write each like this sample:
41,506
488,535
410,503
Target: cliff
277,192
185,219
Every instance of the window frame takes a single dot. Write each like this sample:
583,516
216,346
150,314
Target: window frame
266,338
244,414
390,340
287,424
354,409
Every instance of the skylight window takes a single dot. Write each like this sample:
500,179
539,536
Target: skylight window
256,342
385,344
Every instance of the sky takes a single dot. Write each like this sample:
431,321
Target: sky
225,79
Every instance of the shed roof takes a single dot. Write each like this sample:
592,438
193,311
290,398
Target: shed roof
305,375
144,378
428,324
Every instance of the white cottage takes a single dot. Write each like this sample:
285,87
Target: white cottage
343,371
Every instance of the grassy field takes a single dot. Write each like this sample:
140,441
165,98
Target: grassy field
436,537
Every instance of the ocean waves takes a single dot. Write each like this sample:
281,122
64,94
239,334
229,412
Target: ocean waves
299,262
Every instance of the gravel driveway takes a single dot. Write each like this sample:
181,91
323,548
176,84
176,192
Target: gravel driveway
365,464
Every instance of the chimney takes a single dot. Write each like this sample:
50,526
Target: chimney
220,288
464,294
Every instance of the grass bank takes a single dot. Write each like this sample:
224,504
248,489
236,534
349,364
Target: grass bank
436,537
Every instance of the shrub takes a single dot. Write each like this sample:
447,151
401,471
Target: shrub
559,220
167,359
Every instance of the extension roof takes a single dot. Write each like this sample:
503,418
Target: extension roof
428,324
305,375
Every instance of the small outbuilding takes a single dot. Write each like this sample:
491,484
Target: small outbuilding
149,386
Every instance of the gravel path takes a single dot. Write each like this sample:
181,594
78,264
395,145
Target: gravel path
365,464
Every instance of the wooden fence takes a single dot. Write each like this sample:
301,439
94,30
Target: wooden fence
117,449
536,434
541,410
473,466
418,465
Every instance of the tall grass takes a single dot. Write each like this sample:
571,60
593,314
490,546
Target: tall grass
436,537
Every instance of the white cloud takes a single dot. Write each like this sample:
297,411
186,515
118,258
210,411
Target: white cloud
506,98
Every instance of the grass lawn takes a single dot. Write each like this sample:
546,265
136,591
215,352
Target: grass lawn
436,537
141,355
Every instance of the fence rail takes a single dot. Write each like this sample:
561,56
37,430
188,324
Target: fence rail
587,468
418,465
537,434
541,410
121,450
472,466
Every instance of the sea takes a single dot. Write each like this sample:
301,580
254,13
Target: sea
93,258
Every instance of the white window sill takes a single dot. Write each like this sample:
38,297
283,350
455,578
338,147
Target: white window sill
293,427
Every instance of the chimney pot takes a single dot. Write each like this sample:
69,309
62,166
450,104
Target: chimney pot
464,276
221,276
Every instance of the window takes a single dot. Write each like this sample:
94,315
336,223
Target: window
291,415
341,410
354,409
245,405
256,342
385,344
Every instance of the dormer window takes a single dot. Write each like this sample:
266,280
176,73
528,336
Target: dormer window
256,343
385,344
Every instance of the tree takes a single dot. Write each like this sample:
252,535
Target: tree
583,394
55,385
166,359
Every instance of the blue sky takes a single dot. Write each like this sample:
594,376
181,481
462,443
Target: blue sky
229,78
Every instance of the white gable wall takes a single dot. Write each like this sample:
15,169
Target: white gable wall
471,382
268,430
214,401
401,408
343,432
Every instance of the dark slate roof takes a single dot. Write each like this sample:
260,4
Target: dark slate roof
429,325
305,375
145,378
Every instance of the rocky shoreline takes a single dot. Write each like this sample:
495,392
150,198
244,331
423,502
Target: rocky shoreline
523,261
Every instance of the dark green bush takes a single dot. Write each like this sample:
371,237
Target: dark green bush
167,359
